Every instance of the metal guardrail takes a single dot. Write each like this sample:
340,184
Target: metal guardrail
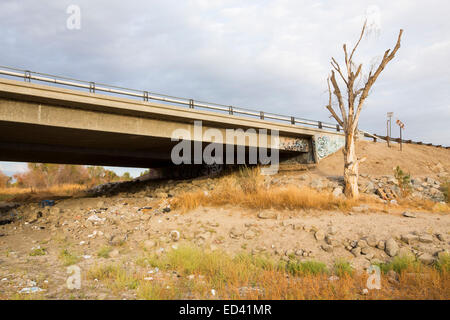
147,95
398,140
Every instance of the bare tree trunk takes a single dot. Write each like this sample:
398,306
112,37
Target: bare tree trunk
355,101
351,167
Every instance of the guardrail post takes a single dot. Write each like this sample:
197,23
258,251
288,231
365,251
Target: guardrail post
261,115
230,109
191,103
292,120
27,76
145,95
338,128
92,87
320,124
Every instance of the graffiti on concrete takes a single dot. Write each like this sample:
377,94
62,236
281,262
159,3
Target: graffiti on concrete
294,144
328,144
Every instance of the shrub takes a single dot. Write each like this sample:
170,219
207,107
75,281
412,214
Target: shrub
68,258
445,189
104,252
342,267
404,181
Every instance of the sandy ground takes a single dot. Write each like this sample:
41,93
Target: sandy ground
230,229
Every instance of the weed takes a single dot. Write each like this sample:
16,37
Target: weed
38,252
68,258
305,267
404,181
342,267
104,252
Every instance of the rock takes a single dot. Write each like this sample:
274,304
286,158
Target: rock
409,238
235,233
117,239
175,235
371,241
440,236
162,195
299,252
361,208
332,230
316,184
319,235
409,214
381,245
289,252
356,251
362,243
391,247
249,234
327,248
330,240
114,253
426,238
149,244
337,192
426,258
267,215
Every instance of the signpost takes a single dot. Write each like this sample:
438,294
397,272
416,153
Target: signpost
388,127
401,125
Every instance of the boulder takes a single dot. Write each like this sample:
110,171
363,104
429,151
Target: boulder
409,214
391,247
267,215
319,235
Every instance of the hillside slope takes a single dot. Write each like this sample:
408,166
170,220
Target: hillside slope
416,159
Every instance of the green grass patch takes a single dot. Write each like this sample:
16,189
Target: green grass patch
104,252
68,258
342,267
443,263
38,252
401,263
305,267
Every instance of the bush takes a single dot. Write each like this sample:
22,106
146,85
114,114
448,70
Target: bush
404,181
342,267
444,188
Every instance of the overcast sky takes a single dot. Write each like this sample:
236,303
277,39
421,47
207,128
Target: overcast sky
265,55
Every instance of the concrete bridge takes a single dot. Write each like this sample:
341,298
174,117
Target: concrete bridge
50,123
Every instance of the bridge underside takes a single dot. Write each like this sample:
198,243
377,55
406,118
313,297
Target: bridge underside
36,143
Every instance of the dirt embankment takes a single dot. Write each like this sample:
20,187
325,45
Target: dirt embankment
415,159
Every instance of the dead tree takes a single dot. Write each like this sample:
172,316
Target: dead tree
350,111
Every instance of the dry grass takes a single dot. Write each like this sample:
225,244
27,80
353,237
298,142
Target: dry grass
18,194
257,277
247,189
